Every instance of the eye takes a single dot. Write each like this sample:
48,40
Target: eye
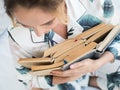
49,23
26,26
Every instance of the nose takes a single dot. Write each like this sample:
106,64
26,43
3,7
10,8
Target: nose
39,31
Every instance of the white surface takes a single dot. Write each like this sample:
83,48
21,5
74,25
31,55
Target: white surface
8,80
4,19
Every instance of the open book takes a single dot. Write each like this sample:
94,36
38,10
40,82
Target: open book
89,44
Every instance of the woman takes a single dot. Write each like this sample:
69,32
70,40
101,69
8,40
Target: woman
54,21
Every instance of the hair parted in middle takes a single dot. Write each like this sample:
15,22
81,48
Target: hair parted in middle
51,6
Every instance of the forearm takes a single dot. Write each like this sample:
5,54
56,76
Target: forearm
106,58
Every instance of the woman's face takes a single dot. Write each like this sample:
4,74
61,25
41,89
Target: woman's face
37,19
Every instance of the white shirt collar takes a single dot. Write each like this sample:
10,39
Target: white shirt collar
75,9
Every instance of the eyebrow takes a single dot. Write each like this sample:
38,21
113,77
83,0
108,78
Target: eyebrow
47,23
22,24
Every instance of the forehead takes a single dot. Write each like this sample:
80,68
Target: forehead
33,16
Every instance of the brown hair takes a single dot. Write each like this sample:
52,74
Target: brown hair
54,6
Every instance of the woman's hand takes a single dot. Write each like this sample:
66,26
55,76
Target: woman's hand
76,71
81,68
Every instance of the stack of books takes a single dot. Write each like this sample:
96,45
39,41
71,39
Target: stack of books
90,44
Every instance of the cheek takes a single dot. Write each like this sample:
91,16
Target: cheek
55,23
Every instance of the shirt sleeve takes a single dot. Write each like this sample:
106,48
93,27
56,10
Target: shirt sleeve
114,48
